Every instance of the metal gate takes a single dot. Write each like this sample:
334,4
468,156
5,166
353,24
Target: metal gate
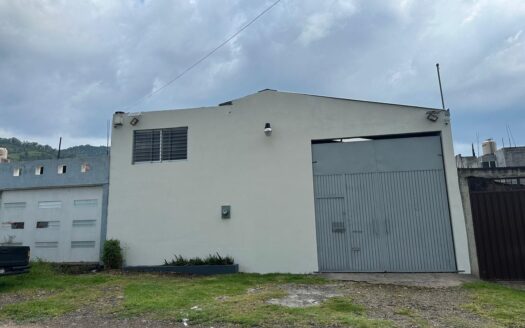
498,214
381,206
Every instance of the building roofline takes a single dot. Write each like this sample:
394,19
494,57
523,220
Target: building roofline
232,102
351,99
50,160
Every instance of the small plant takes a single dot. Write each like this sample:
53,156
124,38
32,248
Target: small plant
214,259
112,254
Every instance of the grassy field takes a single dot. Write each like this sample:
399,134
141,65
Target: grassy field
219,299
239,299
502,304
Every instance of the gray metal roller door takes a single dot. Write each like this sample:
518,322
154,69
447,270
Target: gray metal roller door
381,206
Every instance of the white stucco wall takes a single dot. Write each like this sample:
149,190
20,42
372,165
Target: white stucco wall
54,243
161,209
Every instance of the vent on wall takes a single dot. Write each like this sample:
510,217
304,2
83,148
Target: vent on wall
15,205
82,244
86,202
50,204
46,244
84,223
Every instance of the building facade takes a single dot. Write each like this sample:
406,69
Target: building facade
57,207
510,157
288,182
493,157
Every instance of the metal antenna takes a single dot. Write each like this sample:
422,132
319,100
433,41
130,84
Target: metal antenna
107,138
508,135
512,136
477,139
440,88
59,147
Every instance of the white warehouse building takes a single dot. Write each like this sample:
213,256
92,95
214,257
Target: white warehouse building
286,182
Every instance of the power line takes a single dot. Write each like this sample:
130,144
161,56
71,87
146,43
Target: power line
203,58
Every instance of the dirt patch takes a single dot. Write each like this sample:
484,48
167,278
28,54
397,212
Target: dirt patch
405,306
427,280
11,298
306,295
415,306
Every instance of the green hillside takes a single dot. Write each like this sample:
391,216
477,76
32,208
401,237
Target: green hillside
25,150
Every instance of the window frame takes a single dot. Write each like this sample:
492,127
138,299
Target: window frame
42,224
160,154
18,225
39,170
85,167
49,224
62,169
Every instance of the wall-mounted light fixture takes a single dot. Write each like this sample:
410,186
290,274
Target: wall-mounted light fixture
433,115
134,118
134,121
268,129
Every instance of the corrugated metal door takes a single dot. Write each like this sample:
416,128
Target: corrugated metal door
381,206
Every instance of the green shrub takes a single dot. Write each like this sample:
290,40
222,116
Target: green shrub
215,259
112,254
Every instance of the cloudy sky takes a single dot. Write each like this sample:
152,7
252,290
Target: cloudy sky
66,66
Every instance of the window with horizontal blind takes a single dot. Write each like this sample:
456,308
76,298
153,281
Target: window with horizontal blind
160,144
174,143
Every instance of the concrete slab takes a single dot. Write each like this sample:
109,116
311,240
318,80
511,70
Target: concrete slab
429,280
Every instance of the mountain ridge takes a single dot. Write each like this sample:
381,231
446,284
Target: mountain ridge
19,150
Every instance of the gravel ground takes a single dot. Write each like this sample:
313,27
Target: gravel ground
413,306
406,306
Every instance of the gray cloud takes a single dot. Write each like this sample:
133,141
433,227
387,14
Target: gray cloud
65,66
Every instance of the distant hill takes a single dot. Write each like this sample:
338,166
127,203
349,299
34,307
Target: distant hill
26,151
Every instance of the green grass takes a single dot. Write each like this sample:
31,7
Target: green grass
415,317
43,276
504,305
238,299
226,299
62,293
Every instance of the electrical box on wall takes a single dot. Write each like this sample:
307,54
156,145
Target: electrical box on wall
225,211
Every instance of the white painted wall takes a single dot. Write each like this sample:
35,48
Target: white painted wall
61,235
161,209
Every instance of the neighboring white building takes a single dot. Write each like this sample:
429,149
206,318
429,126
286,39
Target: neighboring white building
58,207
4,155
493,157
302,197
